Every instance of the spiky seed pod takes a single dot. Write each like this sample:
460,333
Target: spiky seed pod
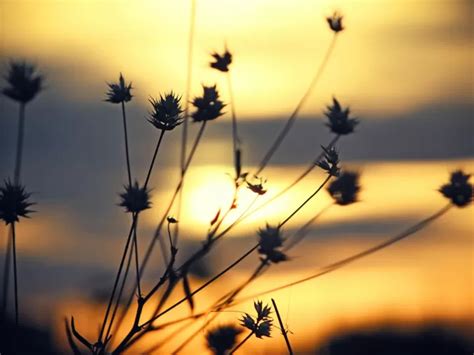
345,188
223,338
335,22
458,190
330,161
24,82
167,112
119,92
208,107
13,202
135,198
221,62
262,324
339,120
270,242
263,311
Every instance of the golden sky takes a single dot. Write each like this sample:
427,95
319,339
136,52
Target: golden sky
394,55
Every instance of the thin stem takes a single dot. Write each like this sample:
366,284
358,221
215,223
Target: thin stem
203,286
150,169
235,137
19,143
127,156
289,123
337,265
241,343
117,278
137,264
15,276
305,202
6,273
282,327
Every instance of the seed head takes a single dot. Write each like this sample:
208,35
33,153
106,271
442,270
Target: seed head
344,189
24,82
339,121
335,22
270,243
223,338
135,198
330,161
208,106
221,62
262,324
458,190
119,92
166,112
13,202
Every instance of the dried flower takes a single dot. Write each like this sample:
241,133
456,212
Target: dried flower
339,121
135,198
335,22
171,220
270,243
458,190
209,107
257,187
24,80
166,112
13,202
222,62
261,325
330,161
223,338
344,189
119,92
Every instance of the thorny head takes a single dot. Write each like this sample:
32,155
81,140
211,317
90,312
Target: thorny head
24,82
335,22
221,62
260,325
459,190
135,198
339,121
222,339
208,106
330,161
345,188
270,244
167,112
13,202
119,92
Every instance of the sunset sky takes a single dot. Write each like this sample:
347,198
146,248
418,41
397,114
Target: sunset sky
405,68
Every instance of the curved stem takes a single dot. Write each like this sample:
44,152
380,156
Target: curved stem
289,123
241,343
127,156
150,169
19,143
305,202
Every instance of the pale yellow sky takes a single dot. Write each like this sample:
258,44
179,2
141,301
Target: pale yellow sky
394,55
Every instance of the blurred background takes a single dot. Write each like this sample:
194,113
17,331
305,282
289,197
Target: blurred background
405,67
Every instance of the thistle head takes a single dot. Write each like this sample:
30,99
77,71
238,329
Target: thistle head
13,202
24,82
135,198
222,339
335,22
221,62
270,244
330,161
167,112
339,121
345,188
260,325
208,106
119,92
459,190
